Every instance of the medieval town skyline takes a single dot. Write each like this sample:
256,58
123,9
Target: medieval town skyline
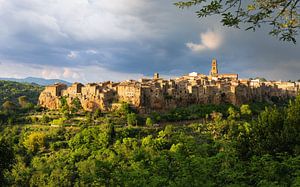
153,94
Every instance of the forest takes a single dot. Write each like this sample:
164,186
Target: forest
256,144
11,91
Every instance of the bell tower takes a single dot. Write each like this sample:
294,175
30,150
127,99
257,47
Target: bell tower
214,68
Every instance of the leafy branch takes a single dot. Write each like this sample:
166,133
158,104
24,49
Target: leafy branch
282,15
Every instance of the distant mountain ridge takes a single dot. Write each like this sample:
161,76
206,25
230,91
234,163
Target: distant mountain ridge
36,80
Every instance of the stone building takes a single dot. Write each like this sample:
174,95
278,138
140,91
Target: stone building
158,94
49,98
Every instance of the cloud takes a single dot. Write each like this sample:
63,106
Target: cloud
72,55
71,74
83,74
82,20
210,40
99,40
91,51
48,73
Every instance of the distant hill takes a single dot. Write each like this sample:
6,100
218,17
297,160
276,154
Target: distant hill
35,80
12,90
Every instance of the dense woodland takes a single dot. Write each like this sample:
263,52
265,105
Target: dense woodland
200,145
11,91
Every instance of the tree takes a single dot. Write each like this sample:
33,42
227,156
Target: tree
245,111
45,119
97,113
76,105
6,158
23,101
64,105
59,121
261,79
149,122
8,105
291,125
35,141
124,109
216,116
131,119
281,15
268,132
232,114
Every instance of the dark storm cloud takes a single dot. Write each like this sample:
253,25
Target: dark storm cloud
138,37
258,54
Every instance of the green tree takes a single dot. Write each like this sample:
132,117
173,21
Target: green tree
35,141
64,107
232,114
149,122
262,79
282,15
89,117
11,91
131,119
3,117
76,105
59,121
20,173
45,119
245,111
97,113
124,109
291,129
23,101
6,159
8,105
267,132
216,116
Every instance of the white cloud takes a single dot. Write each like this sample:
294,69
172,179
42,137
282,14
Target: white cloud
71,74
195,47
83,74
48,73
91,51
210,40
72,55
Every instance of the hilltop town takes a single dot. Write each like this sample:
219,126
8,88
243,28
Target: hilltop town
156,94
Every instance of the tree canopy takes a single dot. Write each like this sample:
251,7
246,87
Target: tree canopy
282,15
256,144
14,91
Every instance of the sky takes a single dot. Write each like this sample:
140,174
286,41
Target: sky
98,40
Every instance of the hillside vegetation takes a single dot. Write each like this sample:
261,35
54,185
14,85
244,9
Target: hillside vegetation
201,145
11,91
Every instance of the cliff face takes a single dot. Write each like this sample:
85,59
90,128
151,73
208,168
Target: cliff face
48,101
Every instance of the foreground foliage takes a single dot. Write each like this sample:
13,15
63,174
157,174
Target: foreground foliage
223,146
281,15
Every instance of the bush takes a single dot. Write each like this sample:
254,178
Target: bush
132,119
59,121
149,122
35,141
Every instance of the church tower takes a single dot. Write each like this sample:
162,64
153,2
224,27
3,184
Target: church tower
214,68
156,76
